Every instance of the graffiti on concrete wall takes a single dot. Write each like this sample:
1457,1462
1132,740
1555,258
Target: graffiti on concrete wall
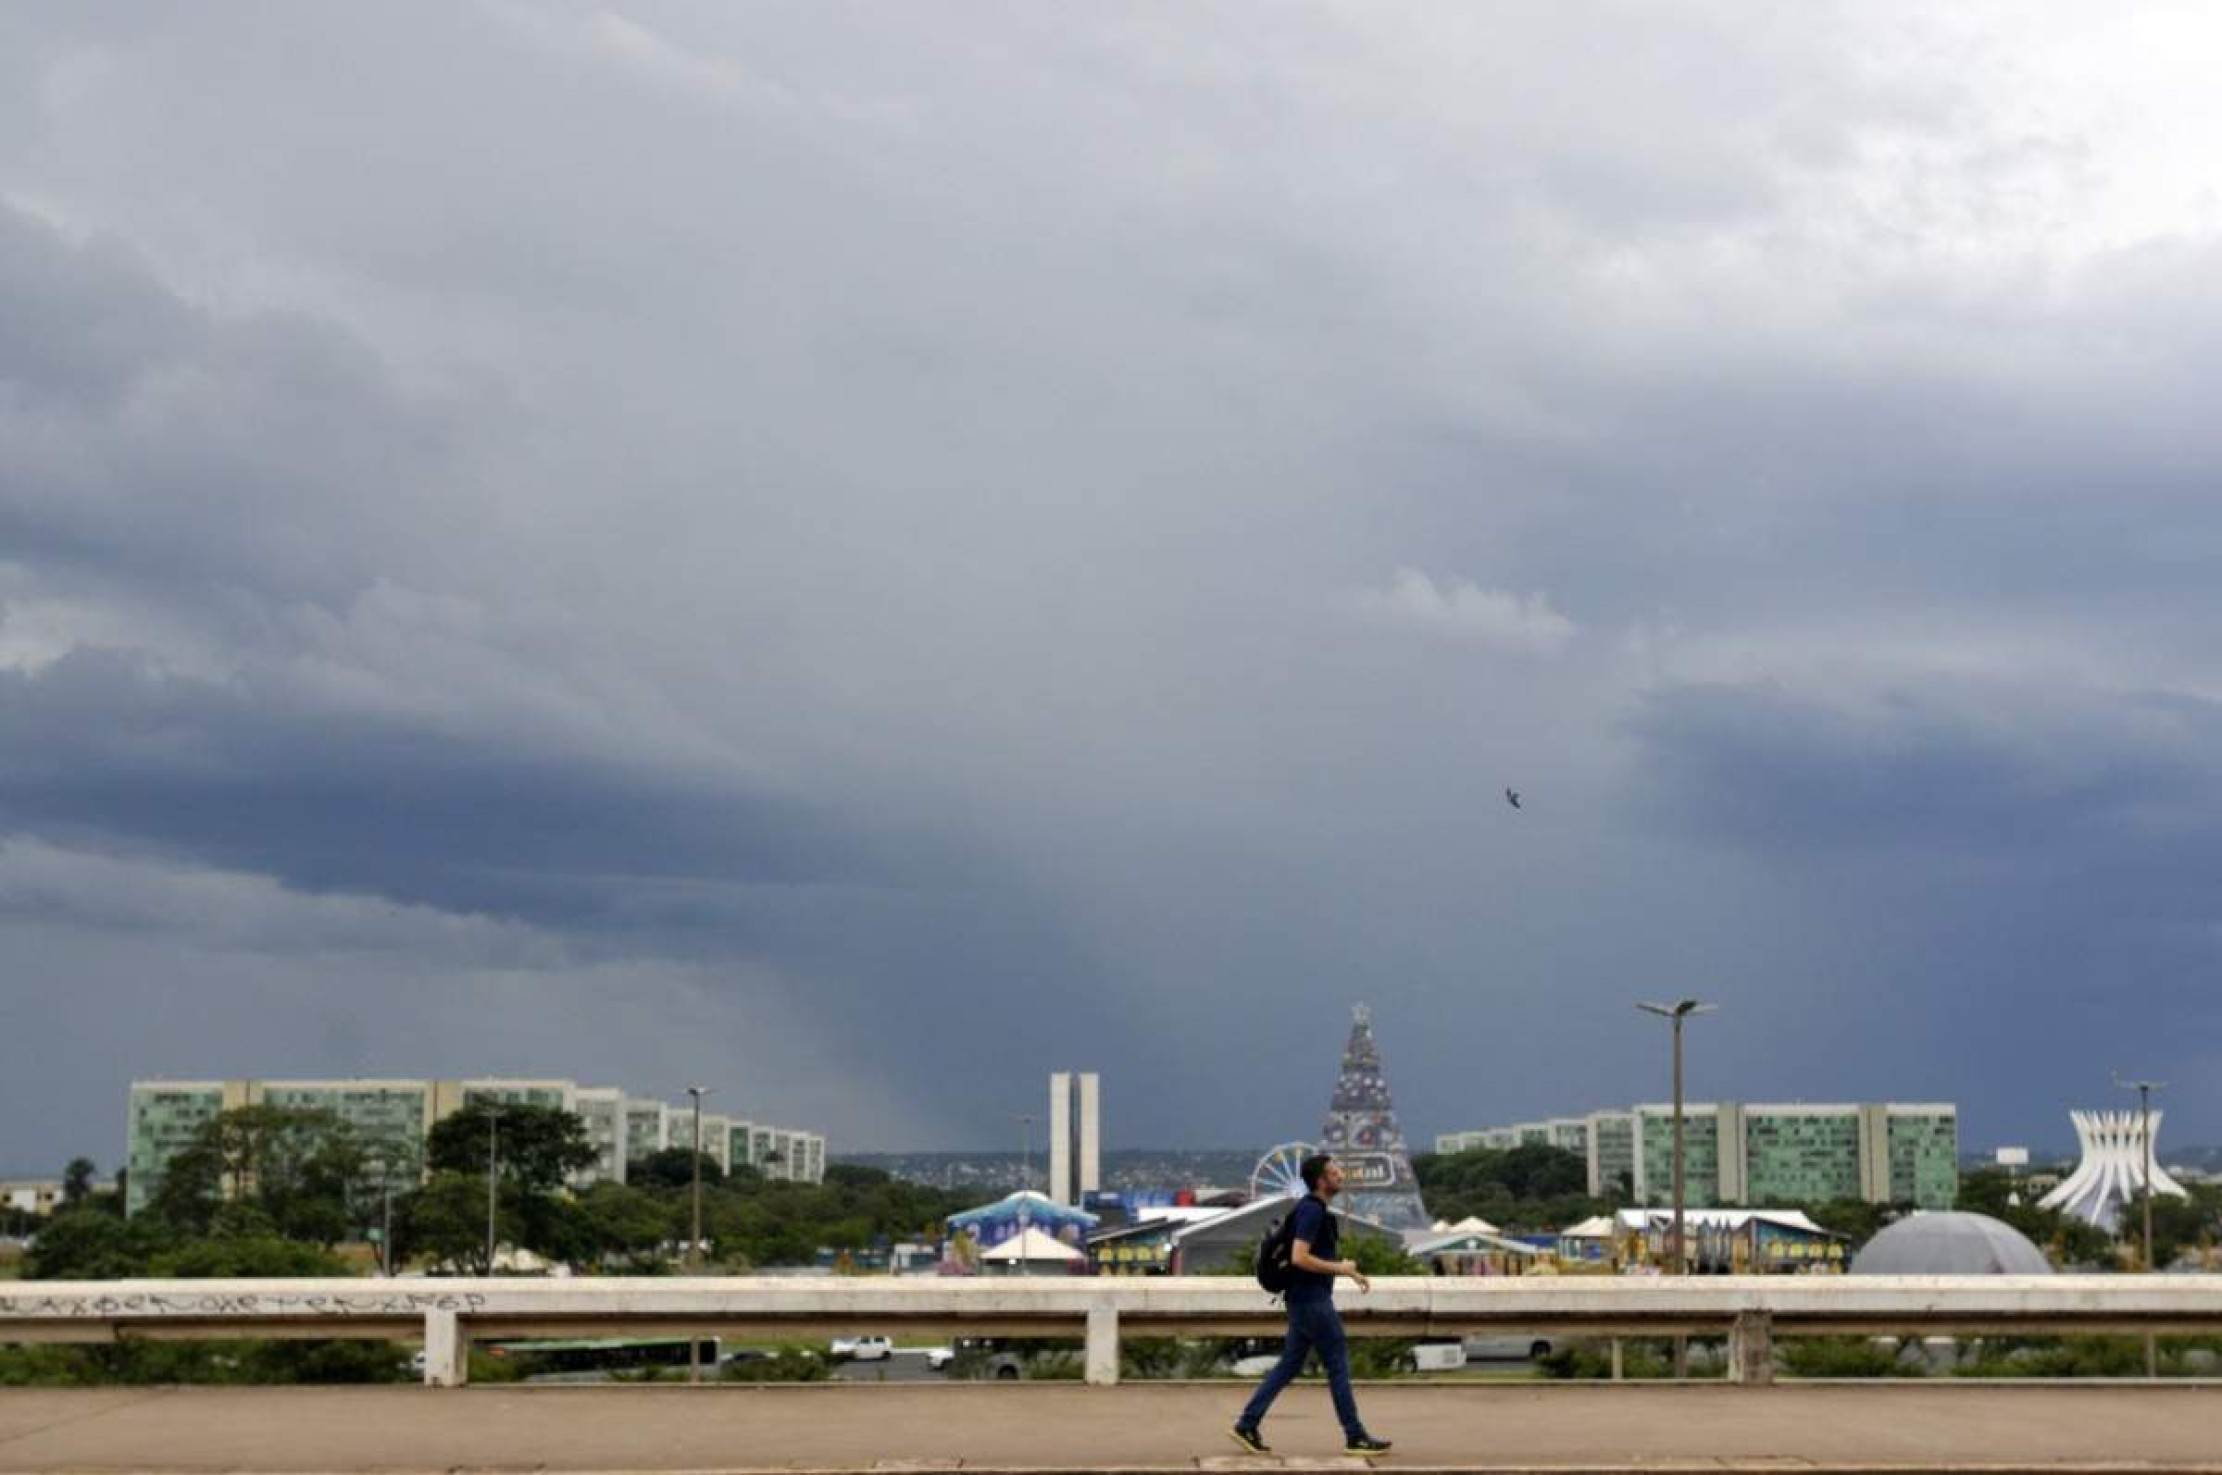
339,1305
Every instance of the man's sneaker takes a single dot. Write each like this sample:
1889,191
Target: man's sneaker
1366,1444
1246,1435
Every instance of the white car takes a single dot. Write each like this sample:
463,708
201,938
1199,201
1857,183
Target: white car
938,1358
861,1349
1508,1348
1435,1357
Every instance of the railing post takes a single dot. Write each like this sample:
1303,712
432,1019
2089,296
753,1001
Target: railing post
447,1350
1103,1345
1617,1372
1751,1349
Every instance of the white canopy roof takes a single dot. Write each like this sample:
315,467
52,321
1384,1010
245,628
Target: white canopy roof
1638,1219
1468,1241
1033,1244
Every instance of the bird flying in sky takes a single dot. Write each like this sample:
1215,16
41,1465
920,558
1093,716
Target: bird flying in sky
1512,797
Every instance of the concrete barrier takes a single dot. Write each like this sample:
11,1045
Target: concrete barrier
448,1315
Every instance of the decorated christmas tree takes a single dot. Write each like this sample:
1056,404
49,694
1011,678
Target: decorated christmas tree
1362,1134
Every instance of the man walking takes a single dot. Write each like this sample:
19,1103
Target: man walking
1313,1325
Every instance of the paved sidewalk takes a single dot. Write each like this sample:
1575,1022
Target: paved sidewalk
1136,1427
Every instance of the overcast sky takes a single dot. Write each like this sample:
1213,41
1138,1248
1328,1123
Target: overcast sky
860,554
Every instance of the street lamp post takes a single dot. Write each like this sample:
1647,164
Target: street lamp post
493,1116
2144,1090
694,1245
1675,1013
1025,1182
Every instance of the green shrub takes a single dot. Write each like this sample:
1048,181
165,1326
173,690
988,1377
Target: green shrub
1151,1357
1644,1357
1842,1357
222,1363
785,1365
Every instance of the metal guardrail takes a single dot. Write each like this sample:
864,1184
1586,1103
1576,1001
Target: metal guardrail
1749,1310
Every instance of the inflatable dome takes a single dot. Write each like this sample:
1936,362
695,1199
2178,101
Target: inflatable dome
1950,1244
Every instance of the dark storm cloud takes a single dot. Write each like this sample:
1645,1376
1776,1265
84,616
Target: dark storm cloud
1986,772
2009,871
99,745
142,438
886,552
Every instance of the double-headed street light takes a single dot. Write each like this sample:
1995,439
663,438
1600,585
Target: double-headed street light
493,1120
2144,1090
694,1245
1676,1012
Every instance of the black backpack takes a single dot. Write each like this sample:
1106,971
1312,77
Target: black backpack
1273,1269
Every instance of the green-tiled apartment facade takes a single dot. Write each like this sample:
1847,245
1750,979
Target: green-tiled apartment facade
1701,1166
1612,1152
644,1128
602,1108
1796,1155
393,1115
1924,1156
553,1095
1754,1154
163,1117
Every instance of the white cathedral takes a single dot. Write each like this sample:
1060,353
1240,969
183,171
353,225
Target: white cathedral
2112,1172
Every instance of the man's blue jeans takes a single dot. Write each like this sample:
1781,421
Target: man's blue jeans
1313,1326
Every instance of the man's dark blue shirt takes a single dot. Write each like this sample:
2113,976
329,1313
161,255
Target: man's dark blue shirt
1317,1228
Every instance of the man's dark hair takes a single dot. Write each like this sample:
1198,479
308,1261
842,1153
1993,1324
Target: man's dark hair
1310,1169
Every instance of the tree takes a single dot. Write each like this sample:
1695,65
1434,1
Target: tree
1854,1218
2179,1224
446,1220
673,1167
536,1147
244,1256
629,1224
77,1181
86,1244
1534,1186
300,1167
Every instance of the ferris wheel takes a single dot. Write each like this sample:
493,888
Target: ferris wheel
1278,1174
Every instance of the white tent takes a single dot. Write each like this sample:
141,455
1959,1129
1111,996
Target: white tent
1031,1248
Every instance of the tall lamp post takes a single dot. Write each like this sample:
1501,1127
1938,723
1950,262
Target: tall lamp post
1675,1013
1025,1182
2144,1090
493,1117
694,1245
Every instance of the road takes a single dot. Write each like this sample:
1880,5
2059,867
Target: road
1134,1427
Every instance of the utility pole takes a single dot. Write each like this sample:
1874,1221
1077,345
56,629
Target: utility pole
385,1213
694,1245
1675,1013
493,1116
1025,1182
2144,1090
